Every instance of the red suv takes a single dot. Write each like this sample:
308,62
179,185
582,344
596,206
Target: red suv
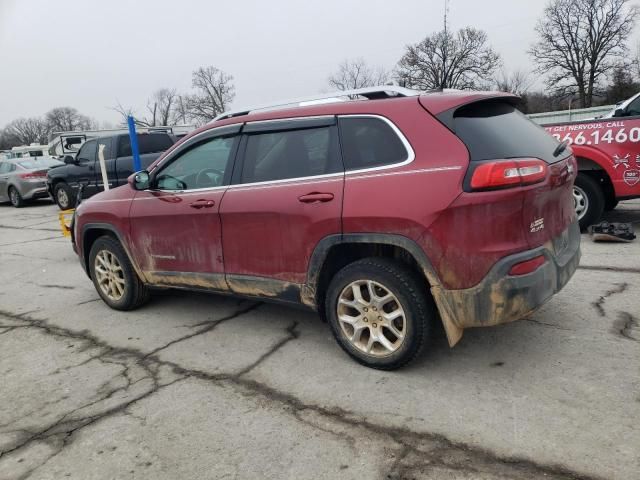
384,214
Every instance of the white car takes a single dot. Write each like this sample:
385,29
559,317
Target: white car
627,108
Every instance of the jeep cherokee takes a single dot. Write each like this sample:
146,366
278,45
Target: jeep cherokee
384,213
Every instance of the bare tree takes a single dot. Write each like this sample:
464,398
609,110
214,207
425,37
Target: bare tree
125,113
445,60
161,108
66,119
25,131
181,112
8,140
580,42
214,92
355,73
517,82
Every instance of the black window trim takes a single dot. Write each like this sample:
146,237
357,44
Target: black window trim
212,134
411,155
281,125
292,124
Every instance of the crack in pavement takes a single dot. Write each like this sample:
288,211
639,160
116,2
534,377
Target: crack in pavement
424,449
550,325
624,325
89,301
212,325
598,304
31,241
292,335
609,269
9,227
30,257
62,287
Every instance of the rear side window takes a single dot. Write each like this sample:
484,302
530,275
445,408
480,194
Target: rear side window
5,167
147,143
370,142
290,154
497,130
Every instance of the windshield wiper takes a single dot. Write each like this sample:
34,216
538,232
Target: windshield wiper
561,148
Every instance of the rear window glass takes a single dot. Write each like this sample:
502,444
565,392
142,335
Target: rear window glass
370,142
149,143
39,163
497,130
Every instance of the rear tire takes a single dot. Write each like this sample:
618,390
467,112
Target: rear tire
114,277
63,196
610,203
378,333
15,197
589,200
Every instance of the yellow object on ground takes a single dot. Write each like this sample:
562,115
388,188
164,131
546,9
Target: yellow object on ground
65,221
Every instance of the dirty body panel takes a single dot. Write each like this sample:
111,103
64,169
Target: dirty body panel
503,298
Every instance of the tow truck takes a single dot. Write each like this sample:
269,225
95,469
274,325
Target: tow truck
608,154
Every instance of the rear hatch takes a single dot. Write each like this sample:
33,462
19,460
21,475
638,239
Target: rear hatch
509,151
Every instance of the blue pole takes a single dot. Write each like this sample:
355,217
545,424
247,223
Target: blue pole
133,138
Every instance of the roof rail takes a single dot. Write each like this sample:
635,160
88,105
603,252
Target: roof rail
370,93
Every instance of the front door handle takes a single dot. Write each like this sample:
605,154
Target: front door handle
316,197
202,204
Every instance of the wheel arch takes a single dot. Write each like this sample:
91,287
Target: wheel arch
596,170
91,232
335,251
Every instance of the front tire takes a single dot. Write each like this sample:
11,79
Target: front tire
63,195
15,197
114,277
379,313
588,199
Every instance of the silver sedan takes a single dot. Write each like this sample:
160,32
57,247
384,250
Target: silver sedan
23,179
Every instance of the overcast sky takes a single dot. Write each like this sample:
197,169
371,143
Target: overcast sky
91,54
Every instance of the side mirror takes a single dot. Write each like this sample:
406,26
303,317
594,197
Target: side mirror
139,180
619,112
69,160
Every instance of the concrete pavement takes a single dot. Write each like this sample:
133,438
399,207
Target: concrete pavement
203,386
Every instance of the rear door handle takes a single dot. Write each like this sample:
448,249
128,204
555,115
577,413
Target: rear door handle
202,204
316,197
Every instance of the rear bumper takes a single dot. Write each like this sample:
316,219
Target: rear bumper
502,298
33,191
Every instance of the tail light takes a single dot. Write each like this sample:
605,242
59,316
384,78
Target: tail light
508,173
33,175
528,266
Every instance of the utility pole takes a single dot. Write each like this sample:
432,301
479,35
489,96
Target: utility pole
443,80
446,16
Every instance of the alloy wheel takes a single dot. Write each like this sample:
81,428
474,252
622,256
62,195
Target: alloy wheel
13,196
110,275
580,202
372,318
63,198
